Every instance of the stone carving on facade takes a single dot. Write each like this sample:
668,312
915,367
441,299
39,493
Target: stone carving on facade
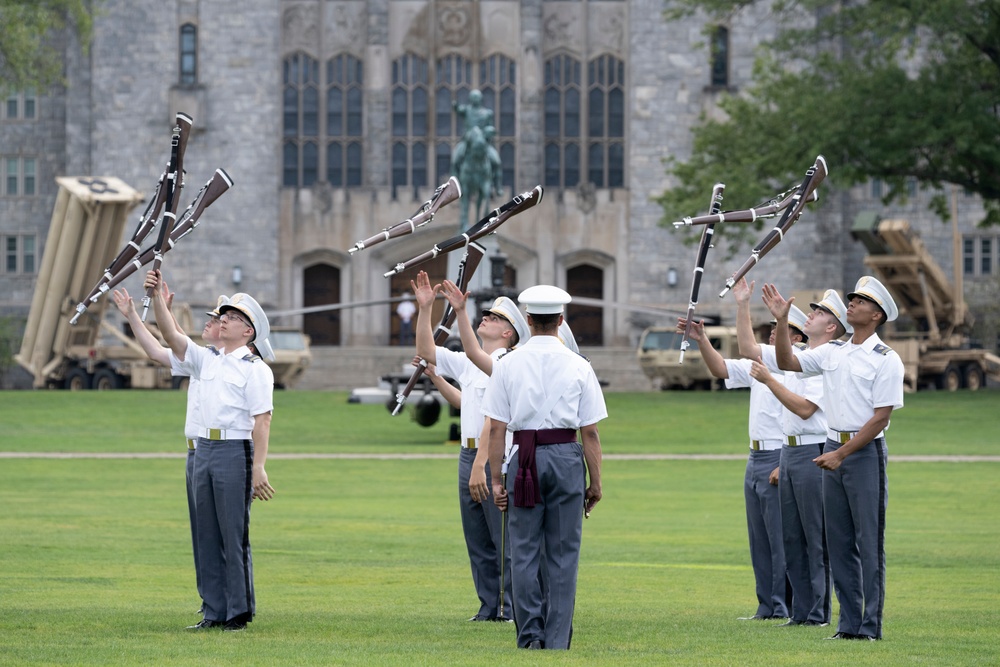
345,28
300,28
607,31
561,32
454,26
586,197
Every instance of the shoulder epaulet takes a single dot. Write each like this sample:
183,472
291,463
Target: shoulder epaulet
836,342
504,354
250,357
587,359
801,346
214,350
882,349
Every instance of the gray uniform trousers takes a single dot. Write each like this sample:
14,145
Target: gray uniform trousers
767,553
192,515
223,484
545,546
800,486
481,526
855,497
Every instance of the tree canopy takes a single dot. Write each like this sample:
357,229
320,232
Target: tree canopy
29,58
887,89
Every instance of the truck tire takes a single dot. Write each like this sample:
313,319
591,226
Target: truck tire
78,379
951,379
974,378
105,379
180,382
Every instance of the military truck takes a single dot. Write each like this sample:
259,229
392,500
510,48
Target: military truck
933,338
659,357
99,352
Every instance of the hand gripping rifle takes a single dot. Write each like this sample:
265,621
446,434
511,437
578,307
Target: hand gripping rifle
216,186
173,186
446,193
487,225
814,176
470,262
699,266
147,221
772,207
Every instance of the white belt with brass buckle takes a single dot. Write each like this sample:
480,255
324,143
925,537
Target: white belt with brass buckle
806,439
843,437
470,443
765,445
226,434
192,444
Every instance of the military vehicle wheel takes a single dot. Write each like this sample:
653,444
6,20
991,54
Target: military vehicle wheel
951,379
78,379
974,377
106,379
180,382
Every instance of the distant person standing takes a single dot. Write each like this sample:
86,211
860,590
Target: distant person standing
863,384
544,393
405,311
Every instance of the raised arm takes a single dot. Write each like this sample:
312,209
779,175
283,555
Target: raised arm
470,343
424,295
176,340
448,391
715,362
779,308
748,345
800,406
152,347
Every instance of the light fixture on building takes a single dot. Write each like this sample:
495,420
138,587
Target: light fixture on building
237,275
672,277
498,269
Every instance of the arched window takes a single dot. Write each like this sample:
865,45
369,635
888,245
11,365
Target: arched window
410,131
720,57
498,81
300,125
452,82
344,80
562,121
606,122
189,55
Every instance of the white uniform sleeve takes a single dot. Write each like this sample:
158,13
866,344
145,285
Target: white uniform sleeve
888,387
496,403
739,373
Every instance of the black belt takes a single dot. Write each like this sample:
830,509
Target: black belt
526,491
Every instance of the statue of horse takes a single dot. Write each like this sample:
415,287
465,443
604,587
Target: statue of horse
478,176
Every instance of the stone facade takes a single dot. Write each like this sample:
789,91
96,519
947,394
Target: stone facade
115,113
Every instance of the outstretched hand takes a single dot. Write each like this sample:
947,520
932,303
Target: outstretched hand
124,302
697,333
776,303
422,290
454,295
742,290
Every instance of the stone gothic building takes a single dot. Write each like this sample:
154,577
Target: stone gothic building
335,119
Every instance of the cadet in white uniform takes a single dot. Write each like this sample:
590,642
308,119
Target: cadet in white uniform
544,393
760,491
235,404
800,483
863,384
161,355
502,328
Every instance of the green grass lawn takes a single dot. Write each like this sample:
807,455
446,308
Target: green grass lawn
362,562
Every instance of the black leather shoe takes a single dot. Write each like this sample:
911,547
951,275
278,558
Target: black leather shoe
479,617
816,624
502,619
789,623
234,626
205,624
534,645
864,638
842,635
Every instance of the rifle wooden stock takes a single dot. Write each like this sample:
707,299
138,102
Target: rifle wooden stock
211,191
147,221
174,185
699,265
470,262
446,193
746,214
487,225
814,176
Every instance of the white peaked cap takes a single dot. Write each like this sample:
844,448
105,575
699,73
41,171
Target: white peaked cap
223,300
506,308
247,305
871,289
796,318
833,304
544,299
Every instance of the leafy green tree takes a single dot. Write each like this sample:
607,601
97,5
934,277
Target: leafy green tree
29,58
887,89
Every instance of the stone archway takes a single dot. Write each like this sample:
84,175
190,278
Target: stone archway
320,287
586,280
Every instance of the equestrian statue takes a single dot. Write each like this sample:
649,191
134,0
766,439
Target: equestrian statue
475,161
